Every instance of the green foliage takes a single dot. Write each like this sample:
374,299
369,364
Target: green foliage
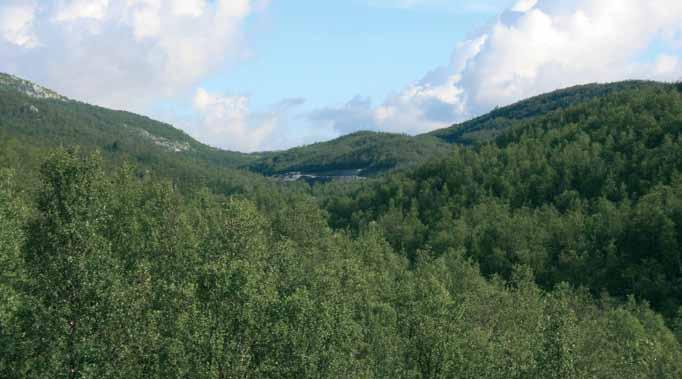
589,194
535,255
70,268
32,126
491,125
361,153
169,152
12,272
123,276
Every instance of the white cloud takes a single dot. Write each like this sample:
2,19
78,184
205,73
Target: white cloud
555,45
224,119
146,18
191,8
228,122
132,54
120,53
16,24
356,114
79,9
535,47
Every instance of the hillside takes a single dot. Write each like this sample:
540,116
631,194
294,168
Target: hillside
368,153
490,125
552,249
40,116
34,121
37,116
589,194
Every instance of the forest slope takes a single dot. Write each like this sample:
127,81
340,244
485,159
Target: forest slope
35,116
590,194
368,153
35,120
551,250
38,117
488,126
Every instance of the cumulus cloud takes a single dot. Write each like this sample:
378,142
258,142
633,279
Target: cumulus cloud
555,44
16,24
534,47
79,9
120,53
194,8
228,122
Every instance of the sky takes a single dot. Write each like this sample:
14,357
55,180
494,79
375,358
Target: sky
253,75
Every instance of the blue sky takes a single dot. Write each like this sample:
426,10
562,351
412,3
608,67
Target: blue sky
330,51
254,75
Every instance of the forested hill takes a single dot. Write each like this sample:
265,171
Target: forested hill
38,117
376,153
589,194
33,118
490,125
369,153
551,250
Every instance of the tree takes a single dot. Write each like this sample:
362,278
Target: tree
12,274
233,292
70,269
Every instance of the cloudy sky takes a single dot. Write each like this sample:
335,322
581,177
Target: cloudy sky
254,75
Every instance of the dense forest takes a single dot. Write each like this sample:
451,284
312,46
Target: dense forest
32,115
369,153
551,248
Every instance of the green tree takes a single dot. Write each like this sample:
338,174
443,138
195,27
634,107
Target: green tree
12,275
71,270
558,354
234,292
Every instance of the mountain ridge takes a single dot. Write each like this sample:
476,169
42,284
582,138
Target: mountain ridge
9,81
468,132
36,114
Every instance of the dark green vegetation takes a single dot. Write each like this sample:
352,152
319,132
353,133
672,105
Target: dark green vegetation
34,120
368,152
551,250
590,194
488,126
37,117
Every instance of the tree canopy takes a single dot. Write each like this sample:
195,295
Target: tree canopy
550,249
